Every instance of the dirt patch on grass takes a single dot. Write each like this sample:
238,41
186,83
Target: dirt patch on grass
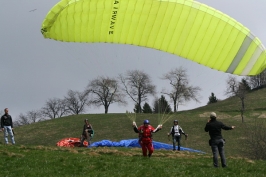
255,114
219,115
10,154
241,158
262,115
137,152
205,114
237,117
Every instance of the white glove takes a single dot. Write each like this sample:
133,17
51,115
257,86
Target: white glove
159,126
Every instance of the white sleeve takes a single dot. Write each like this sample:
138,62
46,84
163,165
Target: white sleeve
180,128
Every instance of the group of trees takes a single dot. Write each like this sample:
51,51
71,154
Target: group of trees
258,81
74,102
104,91
160,105
241,88
137,85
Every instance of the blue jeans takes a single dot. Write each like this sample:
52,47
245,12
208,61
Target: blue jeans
8,130
217,145
176,139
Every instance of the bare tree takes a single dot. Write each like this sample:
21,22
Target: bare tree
138,86
23,119
181,90
76,101
34,116
255,141
15,124
257,81
238,89
30,117
105,92
54,108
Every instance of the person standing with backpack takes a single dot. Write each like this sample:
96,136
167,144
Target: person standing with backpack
87,133
7,126
176,131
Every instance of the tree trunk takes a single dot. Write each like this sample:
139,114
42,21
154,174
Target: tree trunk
105,109
175,106
242,109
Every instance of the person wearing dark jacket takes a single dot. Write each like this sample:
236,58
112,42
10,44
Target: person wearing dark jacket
7,126
217,142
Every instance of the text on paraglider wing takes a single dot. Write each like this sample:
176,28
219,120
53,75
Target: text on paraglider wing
113,17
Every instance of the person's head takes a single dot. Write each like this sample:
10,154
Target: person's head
6,110
176,122
86,121
146,123
213,115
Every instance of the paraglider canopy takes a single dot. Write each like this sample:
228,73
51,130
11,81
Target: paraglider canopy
71,142
186,28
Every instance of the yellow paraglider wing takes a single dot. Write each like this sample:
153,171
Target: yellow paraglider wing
185,28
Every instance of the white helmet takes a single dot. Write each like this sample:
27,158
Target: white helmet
213,115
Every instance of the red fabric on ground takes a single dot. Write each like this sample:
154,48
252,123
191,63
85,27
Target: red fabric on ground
71,142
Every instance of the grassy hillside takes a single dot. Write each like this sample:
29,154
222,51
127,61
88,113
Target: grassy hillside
116,127
35,153
255,102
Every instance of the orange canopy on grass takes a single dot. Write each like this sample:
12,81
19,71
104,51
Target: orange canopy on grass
71,142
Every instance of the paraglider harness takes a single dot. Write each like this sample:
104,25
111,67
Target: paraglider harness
87,128
141,134
173,131
179,131
87,134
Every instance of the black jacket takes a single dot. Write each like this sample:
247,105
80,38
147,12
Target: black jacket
6,120
215,127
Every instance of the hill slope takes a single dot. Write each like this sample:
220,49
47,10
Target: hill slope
116,127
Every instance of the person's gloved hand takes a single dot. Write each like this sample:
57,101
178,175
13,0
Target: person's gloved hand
186,135
160,127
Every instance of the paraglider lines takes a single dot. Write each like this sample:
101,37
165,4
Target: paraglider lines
132,116
163,118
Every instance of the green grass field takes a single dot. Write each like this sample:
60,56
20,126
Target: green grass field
36,154
34,161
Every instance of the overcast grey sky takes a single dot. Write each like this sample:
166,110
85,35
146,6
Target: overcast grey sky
34,69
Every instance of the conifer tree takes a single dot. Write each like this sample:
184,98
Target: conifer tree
161,106
146,108
212,99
